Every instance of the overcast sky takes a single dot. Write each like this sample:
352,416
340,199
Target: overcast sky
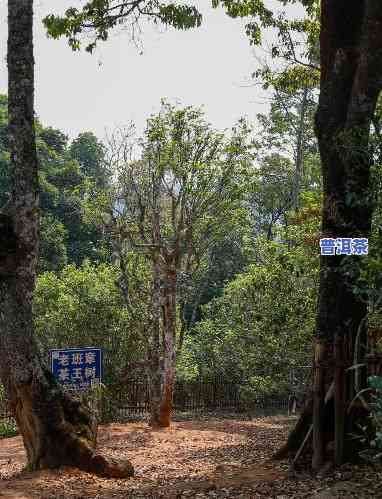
207,66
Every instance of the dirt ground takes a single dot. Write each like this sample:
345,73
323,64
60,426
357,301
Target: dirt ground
199,459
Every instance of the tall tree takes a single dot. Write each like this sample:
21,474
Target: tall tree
173,204
56,428
351,80
90,154
350,83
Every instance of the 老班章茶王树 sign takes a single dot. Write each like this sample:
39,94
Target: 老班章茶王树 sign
77,368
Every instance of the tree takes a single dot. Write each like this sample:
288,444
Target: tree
66,174
285,135
53,239
90,154
56,428
351,69
270,197
222,260
99,16
171,205
350,83
351,80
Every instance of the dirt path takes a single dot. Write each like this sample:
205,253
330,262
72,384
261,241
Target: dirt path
213,458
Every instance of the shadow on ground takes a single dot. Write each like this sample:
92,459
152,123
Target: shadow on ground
193,457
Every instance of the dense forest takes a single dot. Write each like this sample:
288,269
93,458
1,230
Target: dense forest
233,322
191,253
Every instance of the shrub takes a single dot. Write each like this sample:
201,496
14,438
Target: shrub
8,428
376,383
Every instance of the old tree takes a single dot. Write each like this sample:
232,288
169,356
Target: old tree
351,80
56,428
183,194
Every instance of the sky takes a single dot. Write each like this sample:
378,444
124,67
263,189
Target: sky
77,91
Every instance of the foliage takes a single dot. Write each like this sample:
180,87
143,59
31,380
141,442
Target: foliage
287,169
258,387
262,323
8,428
295,53
65,174
375,382
99,16
53,250
271,193
90,154
200,175
182,198
278,128
223,260
84,307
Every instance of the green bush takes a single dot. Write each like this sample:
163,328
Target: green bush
375,382
82,307
263,387
261,326
7,429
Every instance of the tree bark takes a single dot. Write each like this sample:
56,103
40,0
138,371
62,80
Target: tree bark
56,429
154,375
351,80
318,406
339,401
162,382
169,326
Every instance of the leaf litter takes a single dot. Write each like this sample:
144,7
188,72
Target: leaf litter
202,458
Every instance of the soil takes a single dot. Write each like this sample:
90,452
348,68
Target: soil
219,458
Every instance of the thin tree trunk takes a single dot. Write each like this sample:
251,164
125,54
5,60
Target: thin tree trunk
169,325
155,381
56,429
318,406
300,150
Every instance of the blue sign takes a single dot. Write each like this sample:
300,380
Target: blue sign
344,246
77,368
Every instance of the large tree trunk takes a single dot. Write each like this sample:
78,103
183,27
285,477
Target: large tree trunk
351,79
56,429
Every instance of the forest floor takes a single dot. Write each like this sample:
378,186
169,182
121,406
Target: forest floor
203,458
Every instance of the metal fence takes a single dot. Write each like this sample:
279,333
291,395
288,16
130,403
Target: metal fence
189,397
